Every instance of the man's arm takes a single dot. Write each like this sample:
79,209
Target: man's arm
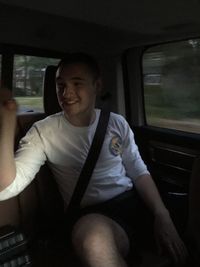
165,231
8,109
149,193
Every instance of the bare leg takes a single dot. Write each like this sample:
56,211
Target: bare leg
100,242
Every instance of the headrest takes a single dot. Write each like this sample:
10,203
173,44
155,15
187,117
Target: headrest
50,100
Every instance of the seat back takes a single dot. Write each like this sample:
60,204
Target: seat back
50,202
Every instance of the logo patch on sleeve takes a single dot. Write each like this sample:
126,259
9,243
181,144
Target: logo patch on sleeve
116,145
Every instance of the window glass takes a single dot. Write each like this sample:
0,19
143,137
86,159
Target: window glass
171,78
28,77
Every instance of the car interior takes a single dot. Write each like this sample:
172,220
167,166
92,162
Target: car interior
149,53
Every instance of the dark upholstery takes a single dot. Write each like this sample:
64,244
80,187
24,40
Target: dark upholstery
51,105
194,212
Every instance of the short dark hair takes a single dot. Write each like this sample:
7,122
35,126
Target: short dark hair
84,58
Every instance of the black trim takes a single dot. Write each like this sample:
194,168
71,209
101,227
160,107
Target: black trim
7,70
127,96
28,50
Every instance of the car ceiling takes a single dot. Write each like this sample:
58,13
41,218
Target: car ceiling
146,20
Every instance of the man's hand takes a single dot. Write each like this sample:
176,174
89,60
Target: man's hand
168,239
8,106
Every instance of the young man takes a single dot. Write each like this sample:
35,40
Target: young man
100,237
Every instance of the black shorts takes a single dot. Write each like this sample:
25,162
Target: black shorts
128,210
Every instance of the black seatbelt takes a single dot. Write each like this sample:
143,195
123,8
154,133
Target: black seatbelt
90,162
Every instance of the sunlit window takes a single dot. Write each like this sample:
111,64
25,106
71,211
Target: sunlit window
28,77
171,78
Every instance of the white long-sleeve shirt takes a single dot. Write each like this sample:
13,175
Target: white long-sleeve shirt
65,148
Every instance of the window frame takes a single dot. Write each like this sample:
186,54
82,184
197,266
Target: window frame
143,93
8,53
134,88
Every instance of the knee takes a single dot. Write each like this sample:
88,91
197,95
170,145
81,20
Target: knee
88,235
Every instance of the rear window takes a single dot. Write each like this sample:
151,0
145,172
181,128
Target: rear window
171,79
28,77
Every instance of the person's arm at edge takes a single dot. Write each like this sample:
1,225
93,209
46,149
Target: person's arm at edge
7,132
150,195
165,231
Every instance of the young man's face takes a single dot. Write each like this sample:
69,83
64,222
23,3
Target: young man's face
76,91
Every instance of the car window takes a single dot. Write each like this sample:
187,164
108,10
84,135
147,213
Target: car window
28,77
172,85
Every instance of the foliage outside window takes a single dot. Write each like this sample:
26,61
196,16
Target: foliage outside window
171,78
28,77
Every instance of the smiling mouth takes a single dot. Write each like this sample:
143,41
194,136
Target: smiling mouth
71,102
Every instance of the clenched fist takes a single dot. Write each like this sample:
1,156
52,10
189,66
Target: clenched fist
8,105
